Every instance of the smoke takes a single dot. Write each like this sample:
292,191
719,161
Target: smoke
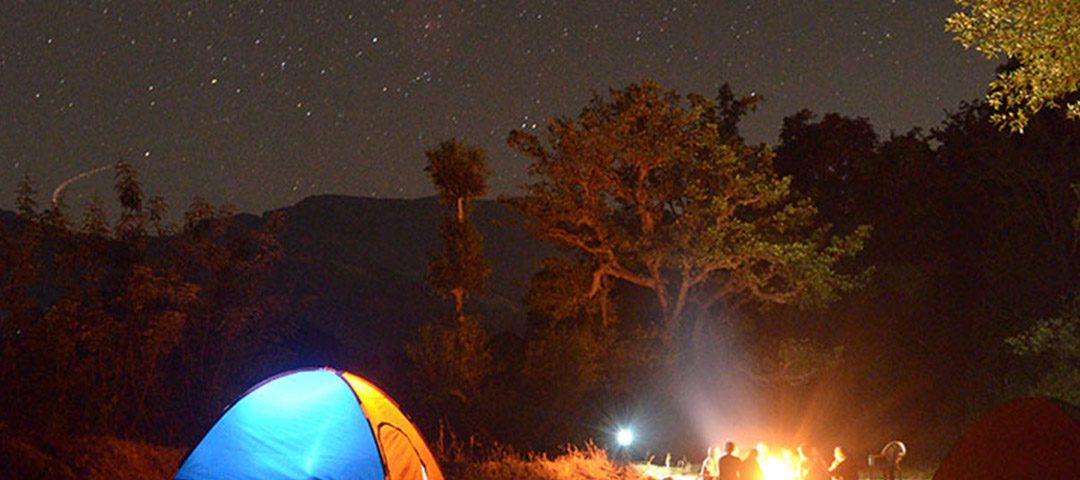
60,189
717,399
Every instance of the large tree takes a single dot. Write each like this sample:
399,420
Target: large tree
661,192
1043,37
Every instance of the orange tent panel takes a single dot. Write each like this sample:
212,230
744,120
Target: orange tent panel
403,448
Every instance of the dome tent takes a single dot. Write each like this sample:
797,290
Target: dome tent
1034,437
312,423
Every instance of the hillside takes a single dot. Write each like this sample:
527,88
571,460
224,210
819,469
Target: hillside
356,268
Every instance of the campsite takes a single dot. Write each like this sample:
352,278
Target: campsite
540,240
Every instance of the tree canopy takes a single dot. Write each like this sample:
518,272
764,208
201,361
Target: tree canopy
660,191
1042,36
827,160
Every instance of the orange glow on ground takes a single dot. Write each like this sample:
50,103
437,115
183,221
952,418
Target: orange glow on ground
776,464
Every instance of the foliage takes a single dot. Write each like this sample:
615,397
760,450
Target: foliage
1043,36
581,353
1057,338
973,236
828,160
794,361
452,358
458,171
661,192
461,269
228,332
589,463
559,290
574,372
1011,189
119,344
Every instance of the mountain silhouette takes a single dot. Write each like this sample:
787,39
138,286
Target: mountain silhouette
357,268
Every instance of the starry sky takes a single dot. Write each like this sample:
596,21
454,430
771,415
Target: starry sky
261,104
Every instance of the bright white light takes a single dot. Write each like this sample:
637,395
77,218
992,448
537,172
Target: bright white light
625,437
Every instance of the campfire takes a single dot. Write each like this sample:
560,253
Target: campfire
776,464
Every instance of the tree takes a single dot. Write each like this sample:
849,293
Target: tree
459,173
20,311
452,358
1058,339
1013,206
1042,36
828,161
232,331
583,354
114,347
662,193
793,362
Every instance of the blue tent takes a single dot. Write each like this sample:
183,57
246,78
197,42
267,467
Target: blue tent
306,424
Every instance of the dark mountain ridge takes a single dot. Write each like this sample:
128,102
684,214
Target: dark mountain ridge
358,266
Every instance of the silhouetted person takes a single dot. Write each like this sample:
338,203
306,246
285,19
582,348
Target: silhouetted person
751,469
803,469
811,466
841,468
728,466
709,468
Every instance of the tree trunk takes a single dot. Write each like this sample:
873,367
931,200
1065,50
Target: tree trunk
684,336
605,305
459,291
459,303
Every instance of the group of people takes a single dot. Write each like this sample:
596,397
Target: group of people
724,465
727,466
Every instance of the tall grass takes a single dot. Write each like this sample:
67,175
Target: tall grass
589,462
84,458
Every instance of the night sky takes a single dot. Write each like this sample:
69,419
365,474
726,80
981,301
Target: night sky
263,103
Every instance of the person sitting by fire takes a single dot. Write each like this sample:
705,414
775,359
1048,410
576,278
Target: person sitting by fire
728,466
709,467
841,468
750,468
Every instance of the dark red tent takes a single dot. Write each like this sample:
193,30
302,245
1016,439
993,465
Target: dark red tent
1036,437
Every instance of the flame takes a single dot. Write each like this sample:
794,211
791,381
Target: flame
776,464
782,465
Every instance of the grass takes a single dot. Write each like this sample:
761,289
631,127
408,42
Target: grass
90,458
584,463
471,461
100,458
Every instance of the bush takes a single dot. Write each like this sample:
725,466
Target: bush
92,458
